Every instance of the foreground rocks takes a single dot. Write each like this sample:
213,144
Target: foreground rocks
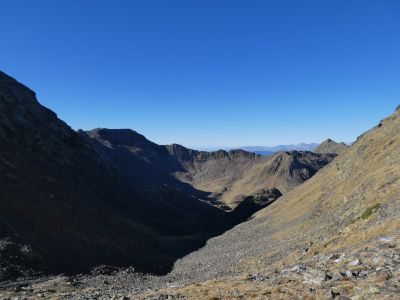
376,275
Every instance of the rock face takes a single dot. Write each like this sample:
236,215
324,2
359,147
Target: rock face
330,146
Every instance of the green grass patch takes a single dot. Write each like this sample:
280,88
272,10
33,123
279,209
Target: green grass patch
365,215
368,212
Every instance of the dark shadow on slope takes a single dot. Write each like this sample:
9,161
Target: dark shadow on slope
178,234
139,161
180,246
192,236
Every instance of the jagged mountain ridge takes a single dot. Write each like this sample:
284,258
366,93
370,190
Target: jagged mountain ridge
222,177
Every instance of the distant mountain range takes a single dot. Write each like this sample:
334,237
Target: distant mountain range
266,150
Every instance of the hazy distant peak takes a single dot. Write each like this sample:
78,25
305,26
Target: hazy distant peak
271,149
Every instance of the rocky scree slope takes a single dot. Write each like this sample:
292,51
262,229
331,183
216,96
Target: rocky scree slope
337,235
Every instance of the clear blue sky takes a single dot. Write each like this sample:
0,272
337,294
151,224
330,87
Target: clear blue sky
209,72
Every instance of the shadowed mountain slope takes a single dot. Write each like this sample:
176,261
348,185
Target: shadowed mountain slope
138,160
70,201
65,208
56,196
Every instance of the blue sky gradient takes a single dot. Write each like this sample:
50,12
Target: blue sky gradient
209,73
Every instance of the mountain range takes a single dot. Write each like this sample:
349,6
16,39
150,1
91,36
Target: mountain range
106,213
267,150
73,200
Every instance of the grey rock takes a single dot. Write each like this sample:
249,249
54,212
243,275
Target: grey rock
355,262
337,276
298,269
349,274
314,276
255,277
386,239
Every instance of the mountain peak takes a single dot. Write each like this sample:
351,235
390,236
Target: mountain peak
15,91
330,146
126,137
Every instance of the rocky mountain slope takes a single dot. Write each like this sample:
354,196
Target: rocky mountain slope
70,201
283,171
64,207
334,237
73,200
330,146
337,235
232,176
224,178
